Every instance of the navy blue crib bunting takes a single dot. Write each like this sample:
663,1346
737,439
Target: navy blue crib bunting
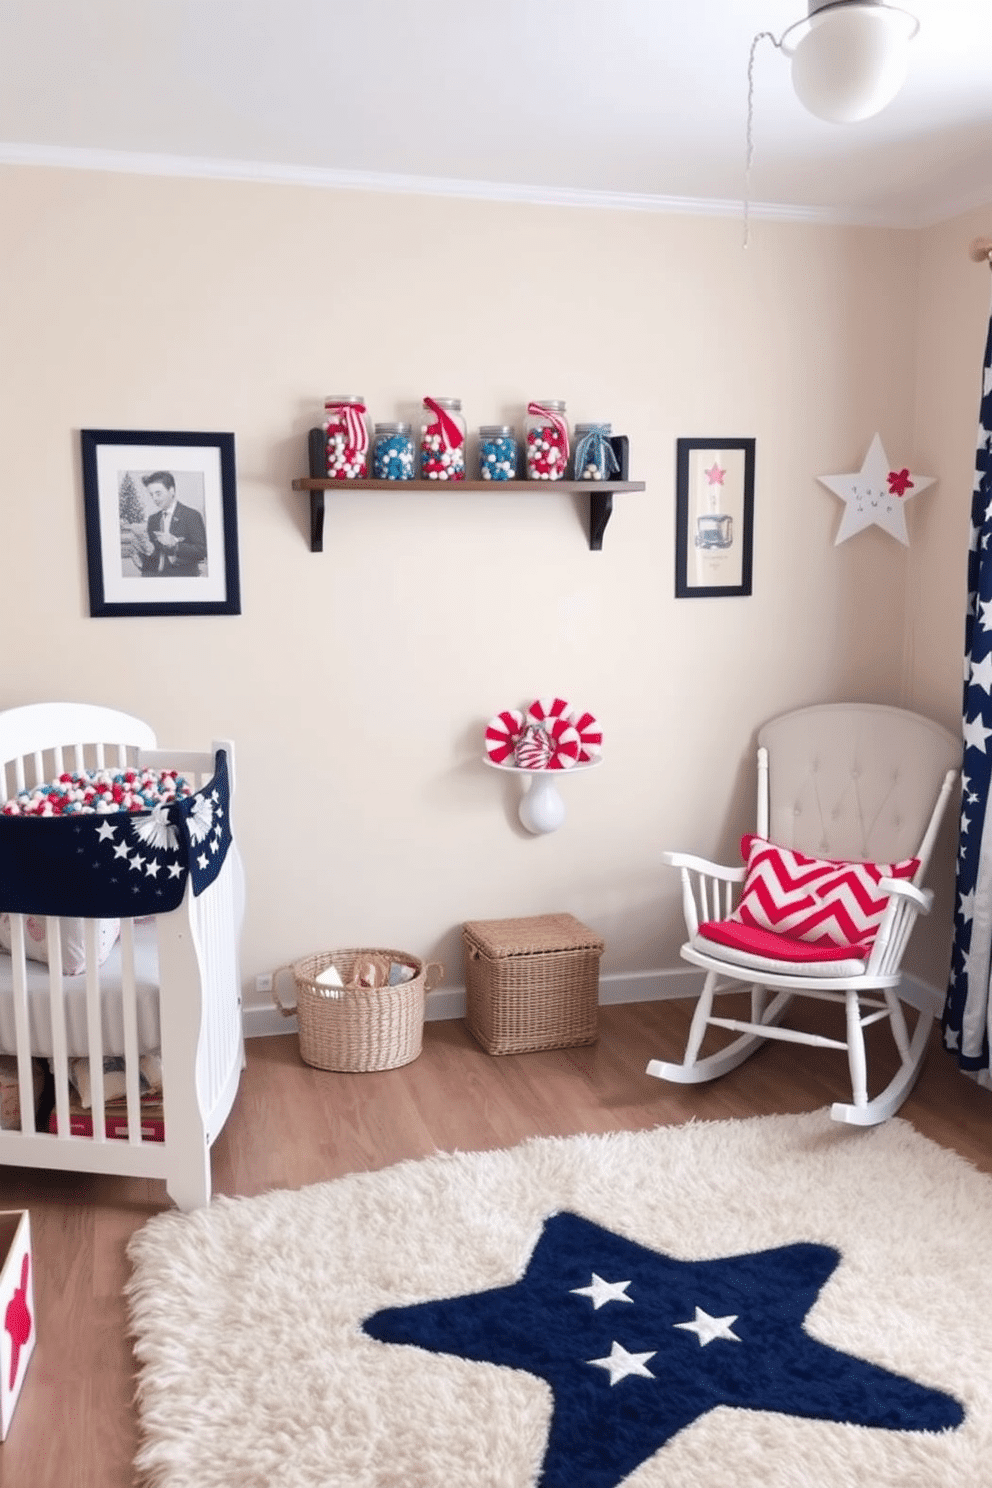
118,864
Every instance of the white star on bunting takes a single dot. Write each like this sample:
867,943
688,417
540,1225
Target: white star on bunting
981,673
707,1328
620,1363
604,1291
875,495
975,734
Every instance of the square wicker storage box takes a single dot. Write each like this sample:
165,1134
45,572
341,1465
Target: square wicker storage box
532,983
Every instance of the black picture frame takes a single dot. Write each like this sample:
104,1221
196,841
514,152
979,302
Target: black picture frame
714,518
137,563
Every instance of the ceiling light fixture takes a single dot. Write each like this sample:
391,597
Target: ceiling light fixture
849,57
849,60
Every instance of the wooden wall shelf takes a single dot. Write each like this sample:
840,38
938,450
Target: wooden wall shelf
600,493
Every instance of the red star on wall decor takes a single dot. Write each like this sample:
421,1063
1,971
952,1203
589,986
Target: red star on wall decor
876,495
715,475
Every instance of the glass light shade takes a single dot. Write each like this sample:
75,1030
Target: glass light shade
851,62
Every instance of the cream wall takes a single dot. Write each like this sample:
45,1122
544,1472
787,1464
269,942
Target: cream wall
357,682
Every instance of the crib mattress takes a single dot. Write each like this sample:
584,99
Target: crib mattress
74,996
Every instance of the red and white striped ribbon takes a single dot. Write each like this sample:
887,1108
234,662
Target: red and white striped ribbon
538,410
352,415
449,430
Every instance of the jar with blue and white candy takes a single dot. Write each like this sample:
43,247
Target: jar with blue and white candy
547,440
594,457
392,452
442,440
346,435
497,452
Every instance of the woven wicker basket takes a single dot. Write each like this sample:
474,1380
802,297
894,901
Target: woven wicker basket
359,1028
532,983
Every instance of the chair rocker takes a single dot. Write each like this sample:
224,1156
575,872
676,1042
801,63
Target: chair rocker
846,786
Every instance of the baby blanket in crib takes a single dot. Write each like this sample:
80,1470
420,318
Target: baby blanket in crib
116,864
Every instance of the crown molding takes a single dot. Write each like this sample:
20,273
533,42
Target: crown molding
190,167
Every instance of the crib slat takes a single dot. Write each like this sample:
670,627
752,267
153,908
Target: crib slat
56,1004
94,1029
130,1018
25,1081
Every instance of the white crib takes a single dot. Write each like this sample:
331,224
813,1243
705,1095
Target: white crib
173,978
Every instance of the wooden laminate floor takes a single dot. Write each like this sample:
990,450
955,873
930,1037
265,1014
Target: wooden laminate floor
75,1425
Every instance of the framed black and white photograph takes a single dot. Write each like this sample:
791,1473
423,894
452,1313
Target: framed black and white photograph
714,517
161,523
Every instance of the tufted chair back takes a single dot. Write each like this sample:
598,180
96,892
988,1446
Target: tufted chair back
854,780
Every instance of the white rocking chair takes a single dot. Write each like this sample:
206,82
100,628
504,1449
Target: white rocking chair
853,782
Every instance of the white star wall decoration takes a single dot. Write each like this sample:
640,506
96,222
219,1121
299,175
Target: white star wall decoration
875,495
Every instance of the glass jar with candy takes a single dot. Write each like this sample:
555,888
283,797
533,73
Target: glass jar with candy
346,436
392,452
497,452
547,440
442,440
594,457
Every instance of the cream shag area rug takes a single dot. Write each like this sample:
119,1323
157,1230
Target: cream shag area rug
783,1302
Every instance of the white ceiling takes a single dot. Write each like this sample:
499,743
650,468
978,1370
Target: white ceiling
639,101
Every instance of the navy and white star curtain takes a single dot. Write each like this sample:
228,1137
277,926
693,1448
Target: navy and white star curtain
966,1010
120,864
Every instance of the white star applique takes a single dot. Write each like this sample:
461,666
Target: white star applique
175,869
875,495
620,1363
707,1328
981,673
975,734
601,1291
105,833
968,905
151,868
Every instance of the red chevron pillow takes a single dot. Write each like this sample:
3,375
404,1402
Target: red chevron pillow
819,900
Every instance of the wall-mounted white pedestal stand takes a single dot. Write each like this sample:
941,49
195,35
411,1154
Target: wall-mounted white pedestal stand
541,806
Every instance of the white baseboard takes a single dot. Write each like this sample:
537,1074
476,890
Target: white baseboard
628,986
449,1002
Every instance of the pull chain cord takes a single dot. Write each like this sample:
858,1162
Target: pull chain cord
749,132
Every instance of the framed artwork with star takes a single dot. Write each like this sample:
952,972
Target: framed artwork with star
714,517
161,523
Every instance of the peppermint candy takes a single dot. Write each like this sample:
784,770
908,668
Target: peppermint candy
503,732
565,744
544,711
590,736
534,749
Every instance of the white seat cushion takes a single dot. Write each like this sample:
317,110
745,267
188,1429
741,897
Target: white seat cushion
828,970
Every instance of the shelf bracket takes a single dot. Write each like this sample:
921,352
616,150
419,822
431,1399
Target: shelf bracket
318,469
601,502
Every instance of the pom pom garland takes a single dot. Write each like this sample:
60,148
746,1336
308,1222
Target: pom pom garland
100,791
551,735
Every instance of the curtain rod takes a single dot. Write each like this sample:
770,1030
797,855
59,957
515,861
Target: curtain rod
981,251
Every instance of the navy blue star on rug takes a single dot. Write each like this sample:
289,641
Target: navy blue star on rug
637,1345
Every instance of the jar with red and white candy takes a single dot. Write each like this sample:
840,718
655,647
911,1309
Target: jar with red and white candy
547,440
346,433
442,440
